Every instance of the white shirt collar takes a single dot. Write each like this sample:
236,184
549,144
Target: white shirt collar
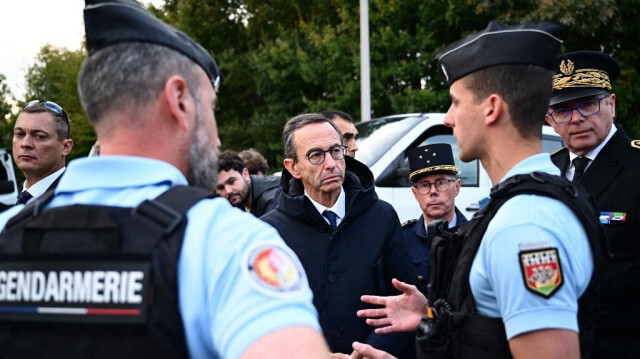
40,187
339,208
591,155
451,225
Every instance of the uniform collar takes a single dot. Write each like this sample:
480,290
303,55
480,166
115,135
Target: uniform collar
452,224
540,162
124,171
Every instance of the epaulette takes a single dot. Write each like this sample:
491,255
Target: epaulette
558,151
635,144
409,223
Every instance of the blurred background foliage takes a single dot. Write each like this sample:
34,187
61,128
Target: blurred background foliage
281,58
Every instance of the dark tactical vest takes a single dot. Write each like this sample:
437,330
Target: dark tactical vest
86,281
460,332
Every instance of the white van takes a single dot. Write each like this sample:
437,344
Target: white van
383,145
8,185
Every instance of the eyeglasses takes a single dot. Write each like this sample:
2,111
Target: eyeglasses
441,185
585,109
316,157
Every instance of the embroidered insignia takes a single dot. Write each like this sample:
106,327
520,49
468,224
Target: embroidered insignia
608,217
274,269
567,68
635,144
541,271
409,223
558,151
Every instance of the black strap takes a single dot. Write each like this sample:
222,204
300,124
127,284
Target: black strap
169,208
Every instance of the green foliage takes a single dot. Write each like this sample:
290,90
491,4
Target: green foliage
5,95
6,123
280,58
53,77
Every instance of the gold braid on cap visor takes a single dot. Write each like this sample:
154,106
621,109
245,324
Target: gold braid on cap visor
451,168
582,78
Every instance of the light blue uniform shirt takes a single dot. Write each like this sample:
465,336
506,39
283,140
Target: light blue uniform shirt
496,278
224,306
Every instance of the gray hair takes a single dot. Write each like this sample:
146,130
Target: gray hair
130,74
297,122
60,120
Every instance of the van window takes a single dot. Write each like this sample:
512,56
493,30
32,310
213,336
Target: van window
467,171
377,136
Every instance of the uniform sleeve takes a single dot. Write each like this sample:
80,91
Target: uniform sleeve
238,282
508,276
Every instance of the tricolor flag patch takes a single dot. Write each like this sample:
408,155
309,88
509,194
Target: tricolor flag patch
608,217
541,271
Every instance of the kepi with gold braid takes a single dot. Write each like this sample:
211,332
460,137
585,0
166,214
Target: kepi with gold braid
437,157
582,74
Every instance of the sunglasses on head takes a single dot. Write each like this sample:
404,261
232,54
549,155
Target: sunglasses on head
51,106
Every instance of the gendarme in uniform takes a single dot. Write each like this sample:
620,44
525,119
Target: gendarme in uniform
233,280
429,160
610,172
528,260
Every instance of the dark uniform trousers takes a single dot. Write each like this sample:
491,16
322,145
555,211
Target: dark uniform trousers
613,180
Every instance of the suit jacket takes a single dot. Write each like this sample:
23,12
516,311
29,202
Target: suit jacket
51,187
613,180
360,257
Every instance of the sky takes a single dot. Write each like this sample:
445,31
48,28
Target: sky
27,25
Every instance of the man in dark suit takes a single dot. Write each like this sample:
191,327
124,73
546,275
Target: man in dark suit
348,240
606,162
435,187
41,142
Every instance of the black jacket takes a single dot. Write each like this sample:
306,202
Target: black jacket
612,180
360,257
265,191
416,241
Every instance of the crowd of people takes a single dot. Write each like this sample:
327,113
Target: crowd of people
144,249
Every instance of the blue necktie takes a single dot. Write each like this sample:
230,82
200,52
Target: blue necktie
332,219
24,197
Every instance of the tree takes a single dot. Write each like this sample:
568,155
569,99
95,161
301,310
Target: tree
284,57
6,123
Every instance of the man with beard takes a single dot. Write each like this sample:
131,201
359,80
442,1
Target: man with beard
435,187
170,274
349,242
253,193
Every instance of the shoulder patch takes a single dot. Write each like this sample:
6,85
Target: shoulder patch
273,269
635,144
558,151
541,270
409,223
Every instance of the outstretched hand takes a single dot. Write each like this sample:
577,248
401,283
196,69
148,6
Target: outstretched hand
366,351
401,313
